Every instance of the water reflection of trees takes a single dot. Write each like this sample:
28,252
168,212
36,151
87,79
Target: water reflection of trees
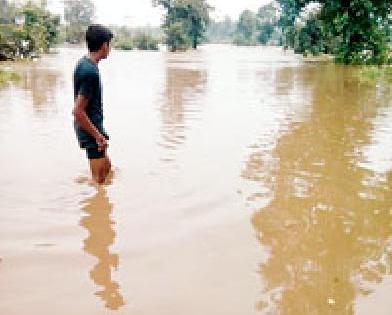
42,82
182,102
328,225
101,236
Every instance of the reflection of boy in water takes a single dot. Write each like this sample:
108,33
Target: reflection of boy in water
88,110
101,236
101,274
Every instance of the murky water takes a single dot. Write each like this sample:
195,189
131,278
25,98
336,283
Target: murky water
246,182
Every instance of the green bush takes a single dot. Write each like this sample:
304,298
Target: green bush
124,44
125,39
145,41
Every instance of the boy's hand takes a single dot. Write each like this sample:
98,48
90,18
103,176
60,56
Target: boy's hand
101,141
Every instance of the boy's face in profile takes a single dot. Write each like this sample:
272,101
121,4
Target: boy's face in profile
105,50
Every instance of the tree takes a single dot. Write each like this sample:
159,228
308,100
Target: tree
27,30
310,39
310,31
7,45
356,32
362,27
41,28
78,15
221,31
177,37
290,10
267,21
199,18
247,24
246,29
185,22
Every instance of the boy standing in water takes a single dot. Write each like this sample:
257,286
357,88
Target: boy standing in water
88,110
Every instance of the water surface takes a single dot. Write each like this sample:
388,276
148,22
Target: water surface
246,182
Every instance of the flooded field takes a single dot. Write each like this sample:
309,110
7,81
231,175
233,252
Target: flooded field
246,182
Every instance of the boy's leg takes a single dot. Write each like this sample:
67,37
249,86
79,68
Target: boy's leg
108,164
99,165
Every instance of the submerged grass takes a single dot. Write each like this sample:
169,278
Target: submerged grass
373,74
7,76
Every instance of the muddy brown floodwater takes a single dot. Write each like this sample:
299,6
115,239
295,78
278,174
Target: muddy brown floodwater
246,182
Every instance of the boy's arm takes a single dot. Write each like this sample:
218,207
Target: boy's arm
85,123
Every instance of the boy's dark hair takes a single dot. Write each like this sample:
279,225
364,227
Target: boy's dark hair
96,36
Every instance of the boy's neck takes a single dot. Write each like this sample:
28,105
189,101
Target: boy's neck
94,57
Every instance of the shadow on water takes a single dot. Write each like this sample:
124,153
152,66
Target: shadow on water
327,227
183,91
101,236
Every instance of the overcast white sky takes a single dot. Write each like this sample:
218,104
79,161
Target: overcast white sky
141,12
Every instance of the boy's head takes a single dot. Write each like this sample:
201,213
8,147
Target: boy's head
98,39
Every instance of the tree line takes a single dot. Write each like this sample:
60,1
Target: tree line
353,31
29,29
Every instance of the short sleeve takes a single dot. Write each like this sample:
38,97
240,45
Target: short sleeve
87,85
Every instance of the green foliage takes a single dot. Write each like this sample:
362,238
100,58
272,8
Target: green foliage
124,44
177,37
355,32
267,23
185,22
123,38
290,10
310,39
78,15
28,30
40,28
265,33
364,32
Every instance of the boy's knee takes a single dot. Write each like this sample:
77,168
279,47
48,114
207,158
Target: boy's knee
100,169
101,180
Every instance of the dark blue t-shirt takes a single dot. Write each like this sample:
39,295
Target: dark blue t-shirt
87,82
